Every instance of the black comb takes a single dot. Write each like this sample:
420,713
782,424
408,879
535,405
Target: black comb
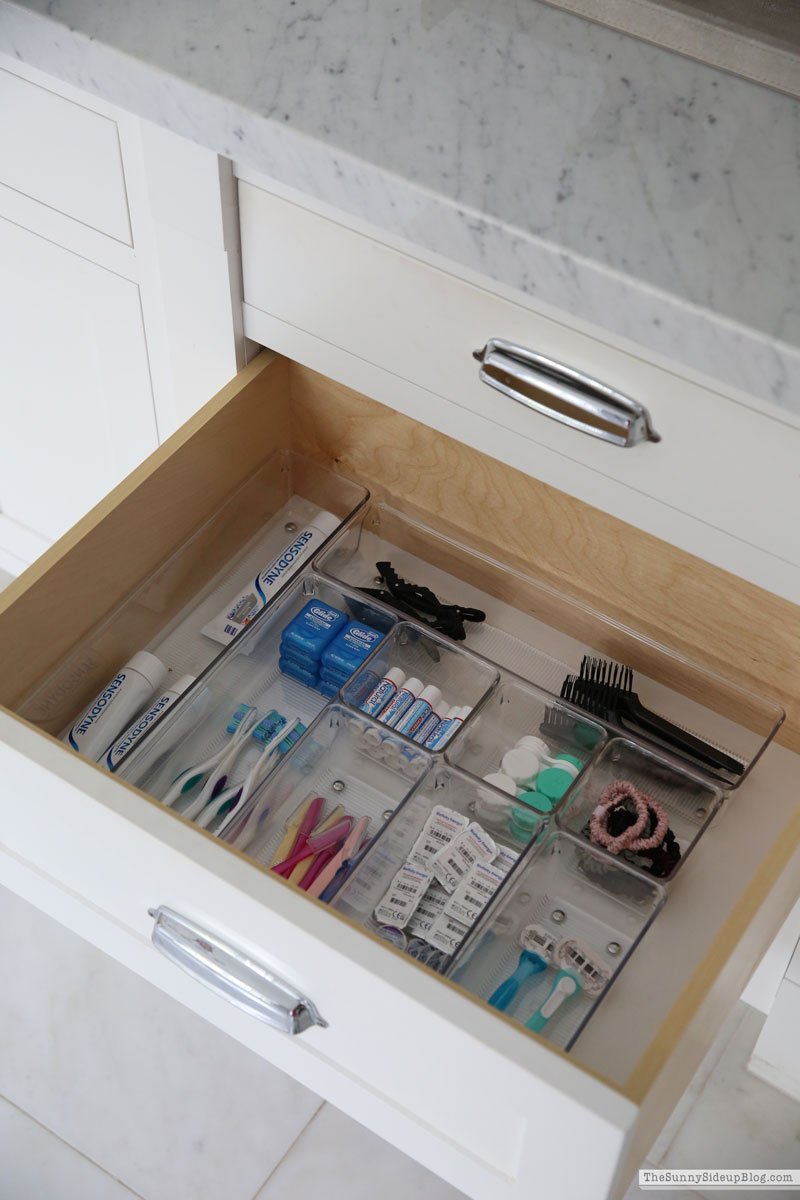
605,689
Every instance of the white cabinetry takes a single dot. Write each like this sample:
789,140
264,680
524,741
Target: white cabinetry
76,406
118,299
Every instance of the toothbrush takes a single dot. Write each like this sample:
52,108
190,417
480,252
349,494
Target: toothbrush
218,776
532,961
239,725
231,799
258,812
314,844
302,868
317,885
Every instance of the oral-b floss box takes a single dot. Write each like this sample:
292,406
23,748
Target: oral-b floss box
307,634
243,608
303,675
131,736
116,705
350,647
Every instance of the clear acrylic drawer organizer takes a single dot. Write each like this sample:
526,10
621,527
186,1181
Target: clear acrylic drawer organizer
442,787
543,635
574,910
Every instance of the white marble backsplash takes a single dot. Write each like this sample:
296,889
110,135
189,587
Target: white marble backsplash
652,195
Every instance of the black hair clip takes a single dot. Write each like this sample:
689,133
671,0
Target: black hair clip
420,602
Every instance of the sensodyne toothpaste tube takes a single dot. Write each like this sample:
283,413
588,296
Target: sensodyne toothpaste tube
121,699
147,719
243,608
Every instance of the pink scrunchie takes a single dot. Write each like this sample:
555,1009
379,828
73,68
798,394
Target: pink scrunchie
630,838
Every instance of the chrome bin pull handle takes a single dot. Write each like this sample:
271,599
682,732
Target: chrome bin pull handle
566,395
232,974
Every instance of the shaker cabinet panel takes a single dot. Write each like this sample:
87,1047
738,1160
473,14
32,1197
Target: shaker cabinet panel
76,406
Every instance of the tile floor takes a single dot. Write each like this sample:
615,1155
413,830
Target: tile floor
92,1109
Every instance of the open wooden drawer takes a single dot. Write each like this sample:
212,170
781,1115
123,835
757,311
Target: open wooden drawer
495,1110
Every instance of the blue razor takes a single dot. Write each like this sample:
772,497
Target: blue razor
530,964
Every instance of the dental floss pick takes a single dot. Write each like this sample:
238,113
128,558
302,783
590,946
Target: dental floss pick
121,748
243,608
112,710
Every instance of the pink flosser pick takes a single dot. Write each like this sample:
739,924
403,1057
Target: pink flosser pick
314,845
320,882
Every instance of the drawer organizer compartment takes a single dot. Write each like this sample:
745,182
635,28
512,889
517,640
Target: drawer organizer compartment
429,914
552,944
165,555
565,647
247,709
228,566
528,745
433,678
329,784
627,795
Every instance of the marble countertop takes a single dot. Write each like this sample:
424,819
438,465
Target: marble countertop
653,195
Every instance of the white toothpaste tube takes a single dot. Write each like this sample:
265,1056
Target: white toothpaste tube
243,608
450,723
131,736
112,709
384,692
419,711
432,722
403,700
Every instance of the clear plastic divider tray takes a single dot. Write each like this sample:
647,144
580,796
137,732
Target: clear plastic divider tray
627,791
551,944
544,636
524,741
416,887
354,791
245,684
286,509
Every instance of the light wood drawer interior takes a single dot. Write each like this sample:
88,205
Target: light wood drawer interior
63,155
739,879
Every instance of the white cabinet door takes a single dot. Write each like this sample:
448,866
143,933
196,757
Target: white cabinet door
76,406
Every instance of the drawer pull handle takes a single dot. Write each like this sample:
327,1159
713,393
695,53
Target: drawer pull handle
564,394
232,974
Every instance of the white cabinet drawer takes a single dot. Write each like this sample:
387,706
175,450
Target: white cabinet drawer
494,1109
63,155
720,483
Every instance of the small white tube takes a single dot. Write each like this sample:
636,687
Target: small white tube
130,737
112,709
243,608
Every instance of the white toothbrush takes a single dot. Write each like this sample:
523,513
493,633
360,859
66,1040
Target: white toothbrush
243,720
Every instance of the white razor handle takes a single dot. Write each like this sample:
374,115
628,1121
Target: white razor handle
565,986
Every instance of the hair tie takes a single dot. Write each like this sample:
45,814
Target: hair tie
618,792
